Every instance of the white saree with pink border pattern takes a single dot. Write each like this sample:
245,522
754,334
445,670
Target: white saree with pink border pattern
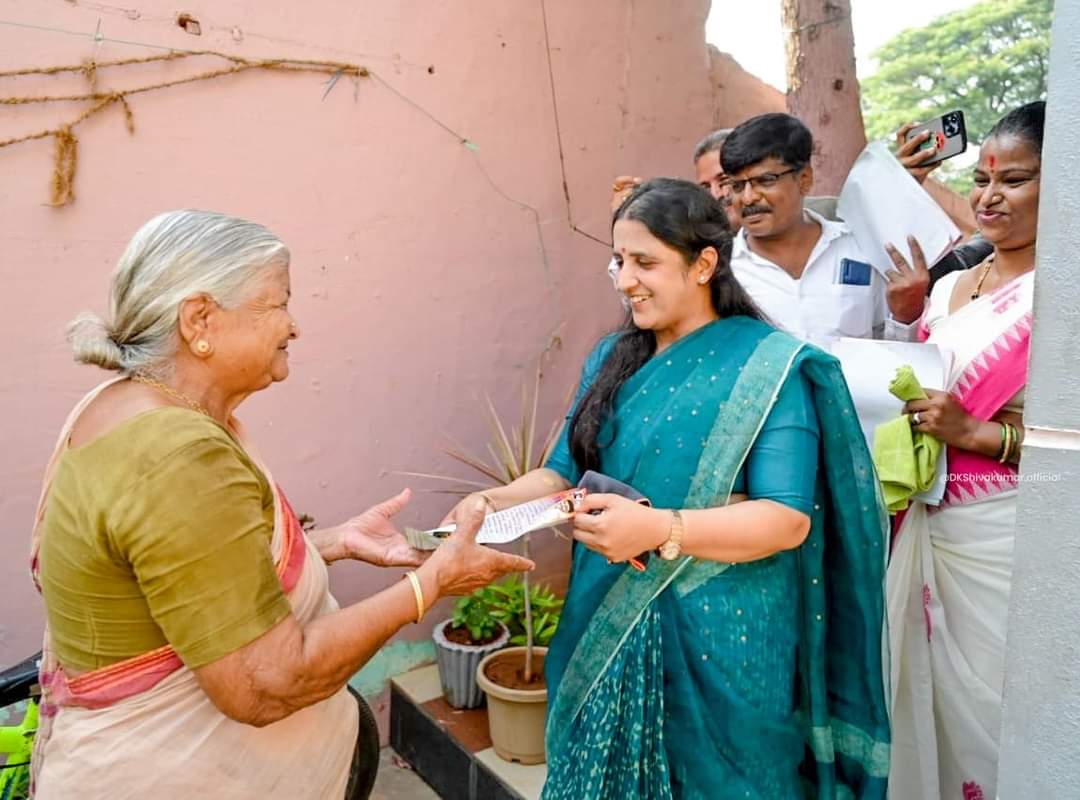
143,729
951,567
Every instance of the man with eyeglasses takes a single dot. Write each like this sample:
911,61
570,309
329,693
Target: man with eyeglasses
710,175
806,273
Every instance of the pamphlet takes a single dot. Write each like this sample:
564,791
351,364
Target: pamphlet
881,203
502,527
869,365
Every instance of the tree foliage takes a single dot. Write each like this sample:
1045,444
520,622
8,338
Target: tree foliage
986,60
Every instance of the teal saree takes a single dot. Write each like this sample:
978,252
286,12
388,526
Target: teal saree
696,679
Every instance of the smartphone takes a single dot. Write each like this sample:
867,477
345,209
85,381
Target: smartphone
947,132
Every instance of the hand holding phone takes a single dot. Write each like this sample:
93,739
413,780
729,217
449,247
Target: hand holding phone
924,147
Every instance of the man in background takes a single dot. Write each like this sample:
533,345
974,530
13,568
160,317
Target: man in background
805,272
710,175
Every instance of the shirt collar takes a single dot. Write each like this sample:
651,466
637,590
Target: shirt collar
830,229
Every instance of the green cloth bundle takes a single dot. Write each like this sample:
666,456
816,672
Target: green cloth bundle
905,459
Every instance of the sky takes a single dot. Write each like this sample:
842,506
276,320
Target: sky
751,31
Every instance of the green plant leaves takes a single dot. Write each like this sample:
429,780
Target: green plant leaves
505,602
508,606
471,612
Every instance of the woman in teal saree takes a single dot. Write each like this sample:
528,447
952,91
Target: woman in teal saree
746,660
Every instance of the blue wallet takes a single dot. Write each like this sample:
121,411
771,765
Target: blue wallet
854,273
598,483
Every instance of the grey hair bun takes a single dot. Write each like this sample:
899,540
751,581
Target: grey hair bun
174,256
93,344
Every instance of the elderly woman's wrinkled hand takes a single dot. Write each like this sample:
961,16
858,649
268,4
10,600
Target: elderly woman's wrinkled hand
373,538
460,511
462,564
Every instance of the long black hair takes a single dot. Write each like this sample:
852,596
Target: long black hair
688,219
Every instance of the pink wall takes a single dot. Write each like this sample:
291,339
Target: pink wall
418,276
737,94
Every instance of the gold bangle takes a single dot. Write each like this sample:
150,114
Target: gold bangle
415,581
488,500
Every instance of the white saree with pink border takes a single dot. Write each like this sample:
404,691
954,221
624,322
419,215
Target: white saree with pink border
143,729
951,567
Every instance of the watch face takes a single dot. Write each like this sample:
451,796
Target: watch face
669,551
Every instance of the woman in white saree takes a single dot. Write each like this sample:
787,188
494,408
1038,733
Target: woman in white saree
951,567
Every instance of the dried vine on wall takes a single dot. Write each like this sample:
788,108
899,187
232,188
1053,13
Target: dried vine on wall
66,154
66,149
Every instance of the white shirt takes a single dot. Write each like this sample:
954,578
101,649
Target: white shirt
816,306
613,272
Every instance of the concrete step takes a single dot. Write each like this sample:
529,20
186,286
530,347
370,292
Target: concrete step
451,749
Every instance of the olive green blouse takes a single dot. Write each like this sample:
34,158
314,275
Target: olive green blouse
158,532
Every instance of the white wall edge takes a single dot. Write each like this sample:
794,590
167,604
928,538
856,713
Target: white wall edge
1051,438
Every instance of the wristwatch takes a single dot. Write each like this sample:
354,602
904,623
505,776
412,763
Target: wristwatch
671,549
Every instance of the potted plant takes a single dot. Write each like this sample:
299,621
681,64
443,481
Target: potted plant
514,454
461,642
513,678
506,602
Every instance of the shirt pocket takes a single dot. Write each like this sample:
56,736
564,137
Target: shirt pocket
852,308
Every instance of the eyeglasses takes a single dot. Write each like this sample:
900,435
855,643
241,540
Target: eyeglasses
765,180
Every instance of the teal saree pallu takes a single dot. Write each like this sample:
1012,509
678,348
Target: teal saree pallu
697,679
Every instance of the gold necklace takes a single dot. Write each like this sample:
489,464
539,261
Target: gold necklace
171,392
982,278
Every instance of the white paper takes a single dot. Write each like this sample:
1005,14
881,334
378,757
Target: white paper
869,366
509,524
881,203
503,527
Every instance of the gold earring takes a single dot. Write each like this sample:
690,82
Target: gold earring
202,347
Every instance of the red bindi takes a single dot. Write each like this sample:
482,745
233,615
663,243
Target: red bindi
993,161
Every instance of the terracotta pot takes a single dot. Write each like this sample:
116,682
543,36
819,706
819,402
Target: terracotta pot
458,663
516,717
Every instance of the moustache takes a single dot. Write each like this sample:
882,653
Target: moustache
750,210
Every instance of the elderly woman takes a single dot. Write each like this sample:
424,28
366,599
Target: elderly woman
193,648
951,566
745,660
